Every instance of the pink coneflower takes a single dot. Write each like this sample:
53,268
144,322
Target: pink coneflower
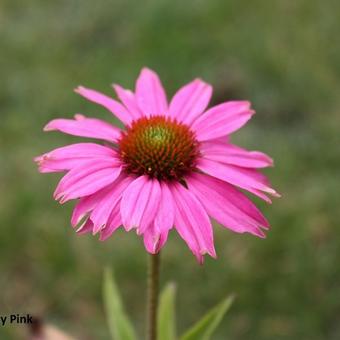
172,166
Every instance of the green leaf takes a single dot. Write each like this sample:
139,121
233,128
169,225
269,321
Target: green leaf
166,324
204,328
119,324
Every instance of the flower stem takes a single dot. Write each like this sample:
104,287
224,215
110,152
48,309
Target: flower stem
152,303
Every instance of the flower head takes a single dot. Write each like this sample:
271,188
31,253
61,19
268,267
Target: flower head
172,166
158,147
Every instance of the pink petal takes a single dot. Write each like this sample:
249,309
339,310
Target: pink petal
231,154
222,120
154,240
227,205
85,127
152,206
150,94
190,101
78,150
165,216
86,180
71,156
156,234
101,213
139,203
86,204
128,98
260,194
192,222
241,177
85,228
114,222
110,104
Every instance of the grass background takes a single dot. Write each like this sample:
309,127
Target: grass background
282,55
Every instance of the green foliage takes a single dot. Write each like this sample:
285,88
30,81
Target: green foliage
205,327
119,324
121,328
166,322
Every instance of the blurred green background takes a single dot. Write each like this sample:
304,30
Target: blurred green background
282,55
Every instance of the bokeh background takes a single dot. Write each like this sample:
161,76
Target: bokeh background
282,55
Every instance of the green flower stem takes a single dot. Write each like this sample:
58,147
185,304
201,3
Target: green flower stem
152,303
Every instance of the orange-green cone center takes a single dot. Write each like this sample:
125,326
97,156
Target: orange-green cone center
158,147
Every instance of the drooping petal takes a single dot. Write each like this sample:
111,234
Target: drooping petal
154,240
86,204
78,150
192,222
222,120
260,194
227,205
165,216
86,180
114,222
85,228
241,177
139,202
152,206
150,94
190,101
231,154
71,156
128,98
156,234
85,127
102,211
110,104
